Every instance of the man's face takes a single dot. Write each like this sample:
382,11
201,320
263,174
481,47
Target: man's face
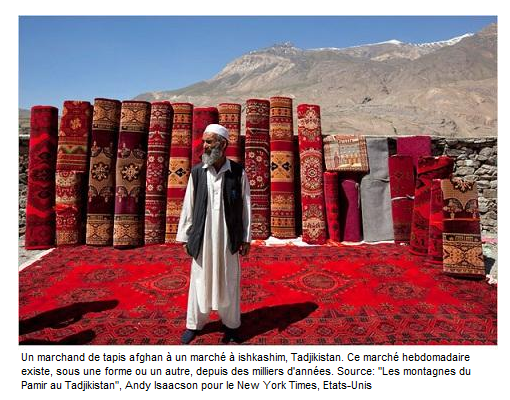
210,141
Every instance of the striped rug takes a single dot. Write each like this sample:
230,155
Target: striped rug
282,168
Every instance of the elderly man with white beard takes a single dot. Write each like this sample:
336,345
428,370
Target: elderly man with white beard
215,228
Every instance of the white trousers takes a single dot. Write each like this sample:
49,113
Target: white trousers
230,315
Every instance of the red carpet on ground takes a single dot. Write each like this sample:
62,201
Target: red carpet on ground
367,294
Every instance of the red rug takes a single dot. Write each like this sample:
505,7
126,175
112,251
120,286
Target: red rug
130,174
103,154
72,168
367,294
283,216
428,168
229,115
160,130
256,164
435,249
402,196
414,146
311,162
332,197
179,166
202,116
42,161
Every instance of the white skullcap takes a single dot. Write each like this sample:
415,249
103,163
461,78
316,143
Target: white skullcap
218,129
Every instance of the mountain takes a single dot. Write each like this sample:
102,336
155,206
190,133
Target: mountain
446,88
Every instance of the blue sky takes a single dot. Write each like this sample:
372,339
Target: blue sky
80,58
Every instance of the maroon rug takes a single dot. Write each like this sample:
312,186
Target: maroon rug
320,295
179,166
202,116
402,195
350,210
429,168
462,244
72,168
160,130
130,177
103,154
229,115
311,162
414,146
256,164
42,162
332,197
283,217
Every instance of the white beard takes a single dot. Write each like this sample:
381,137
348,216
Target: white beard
215,155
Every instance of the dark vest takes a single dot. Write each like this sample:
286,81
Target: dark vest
232,202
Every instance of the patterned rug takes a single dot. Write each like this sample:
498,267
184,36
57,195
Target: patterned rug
429,168
130,174
229,115
72,168
367,294
435,249
331,197
256,164
160,130
346,153
462,243
103,153
179,166
311,161
42,161
202,116
283,217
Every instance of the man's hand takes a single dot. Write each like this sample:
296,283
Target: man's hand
244,249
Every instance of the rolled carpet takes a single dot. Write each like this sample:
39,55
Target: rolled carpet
402,196
229,115
179,166
375,193
311,161
103,154
435,248
332,198
202,116
72,169
414,146
350,210
256,164
429,168
283,217
42,162
160,129
130,177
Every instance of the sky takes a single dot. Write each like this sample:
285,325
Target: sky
83,57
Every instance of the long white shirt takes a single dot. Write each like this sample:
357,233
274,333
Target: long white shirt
215,274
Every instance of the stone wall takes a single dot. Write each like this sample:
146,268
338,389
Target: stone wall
476,159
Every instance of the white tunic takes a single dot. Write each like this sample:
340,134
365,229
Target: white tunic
215,275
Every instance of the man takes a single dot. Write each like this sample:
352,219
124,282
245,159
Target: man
215,228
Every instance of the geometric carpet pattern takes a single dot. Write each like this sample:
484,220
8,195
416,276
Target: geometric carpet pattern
290,295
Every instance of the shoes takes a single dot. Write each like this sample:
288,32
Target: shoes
231,335
188,336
